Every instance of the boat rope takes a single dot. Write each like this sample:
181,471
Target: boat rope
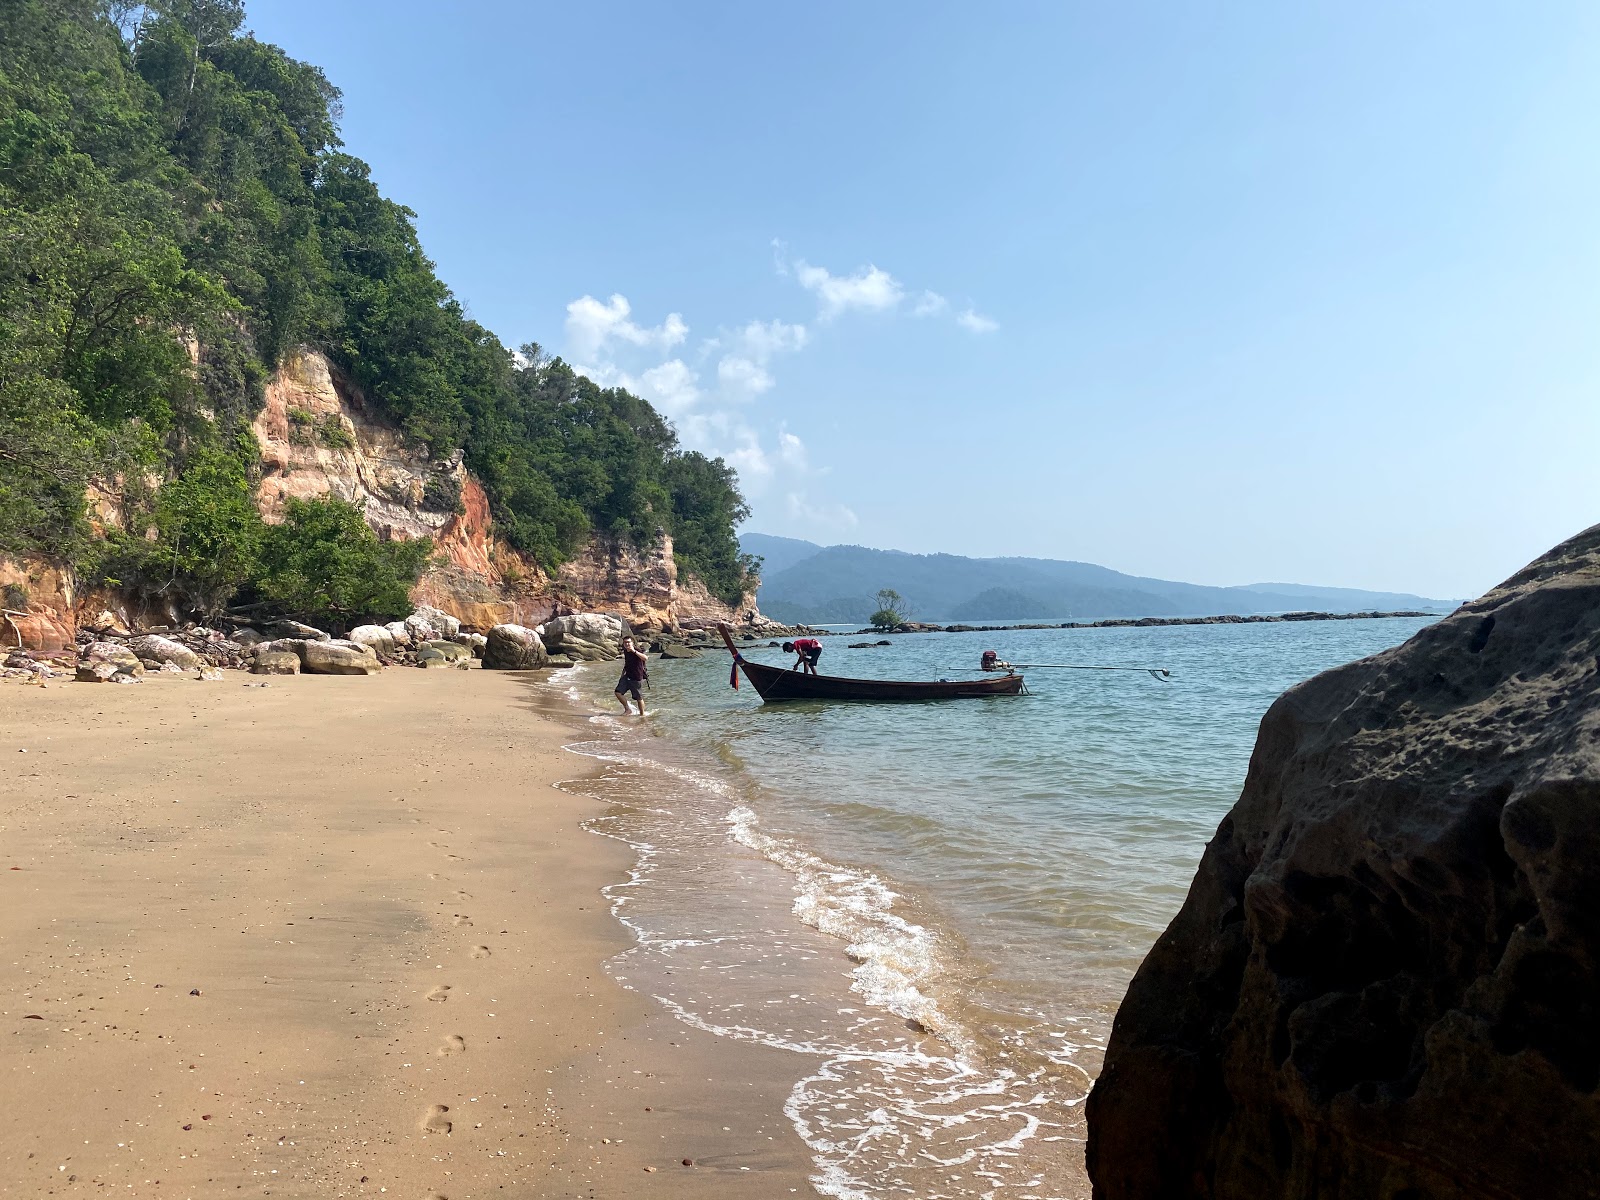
1154,672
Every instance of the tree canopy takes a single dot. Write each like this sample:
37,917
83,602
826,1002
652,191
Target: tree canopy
177,213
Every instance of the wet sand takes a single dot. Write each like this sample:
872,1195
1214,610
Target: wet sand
337,937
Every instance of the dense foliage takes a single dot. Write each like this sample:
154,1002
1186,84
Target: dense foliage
176,214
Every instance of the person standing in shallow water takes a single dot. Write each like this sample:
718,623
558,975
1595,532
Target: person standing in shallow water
635,671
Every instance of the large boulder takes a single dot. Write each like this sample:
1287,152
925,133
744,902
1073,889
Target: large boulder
399,632
375,637
121,659
429,624
585,636
275,662
294,629
337,657
152,648
514,648
1385,980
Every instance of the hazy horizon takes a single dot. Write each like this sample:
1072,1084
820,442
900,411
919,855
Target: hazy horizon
1208,294
1250,583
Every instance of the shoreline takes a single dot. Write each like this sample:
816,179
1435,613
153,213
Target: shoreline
325,917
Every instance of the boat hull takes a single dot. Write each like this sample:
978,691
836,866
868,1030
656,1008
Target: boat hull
777,683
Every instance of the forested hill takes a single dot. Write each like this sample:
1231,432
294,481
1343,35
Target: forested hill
176,214
805,582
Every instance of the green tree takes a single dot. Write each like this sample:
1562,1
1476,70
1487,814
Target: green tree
325,561
893,610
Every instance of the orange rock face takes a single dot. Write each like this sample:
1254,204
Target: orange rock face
319,437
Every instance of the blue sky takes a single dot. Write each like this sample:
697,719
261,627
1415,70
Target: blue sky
1220,293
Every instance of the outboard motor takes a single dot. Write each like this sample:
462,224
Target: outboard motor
991,661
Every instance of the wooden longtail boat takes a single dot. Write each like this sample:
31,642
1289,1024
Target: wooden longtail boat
779,683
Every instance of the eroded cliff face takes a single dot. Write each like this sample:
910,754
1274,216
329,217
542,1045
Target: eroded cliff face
1385,981
319,437
486,581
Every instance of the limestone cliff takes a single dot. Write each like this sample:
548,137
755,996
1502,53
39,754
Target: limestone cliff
319,437
1385,981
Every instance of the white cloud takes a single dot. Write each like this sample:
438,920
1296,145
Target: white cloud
793,451
835,516
742,378
930,304
870,289
591,325
709,409
975,322
763,339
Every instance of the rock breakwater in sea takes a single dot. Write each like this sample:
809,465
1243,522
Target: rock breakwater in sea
1385,980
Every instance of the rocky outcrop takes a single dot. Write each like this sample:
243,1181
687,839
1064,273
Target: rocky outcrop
1385,981
153,650
319,437
514,648
585,637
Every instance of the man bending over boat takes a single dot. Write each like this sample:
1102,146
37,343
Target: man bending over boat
635,670
809,651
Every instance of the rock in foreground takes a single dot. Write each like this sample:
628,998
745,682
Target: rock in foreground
514,648
1385,981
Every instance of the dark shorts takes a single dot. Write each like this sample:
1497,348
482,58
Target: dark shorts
629,685
811,656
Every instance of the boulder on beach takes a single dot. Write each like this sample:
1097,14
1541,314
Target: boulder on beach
153,648
514,648
475,642
275,662
429,624
586,636
294,629
399,631
338,658
117,655
245,638
1385,980
452,651
376,638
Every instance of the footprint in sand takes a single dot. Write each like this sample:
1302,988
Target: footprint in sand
460,919
480,952
461,895
454,1044
435,1120
440,993
453,857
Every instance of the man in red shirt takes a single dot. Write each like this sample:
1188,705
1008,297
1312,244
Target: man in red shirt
635,670
809,650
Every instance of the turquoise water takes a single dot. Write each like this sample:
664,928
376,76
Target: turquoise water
936,906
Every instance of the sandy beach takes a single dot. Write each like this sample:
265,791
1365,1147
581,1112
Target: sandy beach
338,937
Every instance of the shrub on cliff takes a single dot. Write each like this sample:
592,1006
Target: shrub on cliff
325,561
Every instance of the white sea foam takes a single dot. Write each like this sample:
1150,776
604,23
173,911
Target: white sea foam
879,1105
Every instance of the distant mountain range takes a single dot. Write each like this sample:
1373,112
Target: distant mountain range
820,585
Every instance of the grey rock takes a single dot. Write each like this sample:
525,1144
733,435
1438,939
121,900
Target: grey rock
293,629
119,656
338,658
376,638
452,651
514,648
587,636
1385,980
152,647
275,662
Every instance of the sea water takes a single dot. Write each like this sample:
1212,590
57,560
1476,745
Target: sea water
934,907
